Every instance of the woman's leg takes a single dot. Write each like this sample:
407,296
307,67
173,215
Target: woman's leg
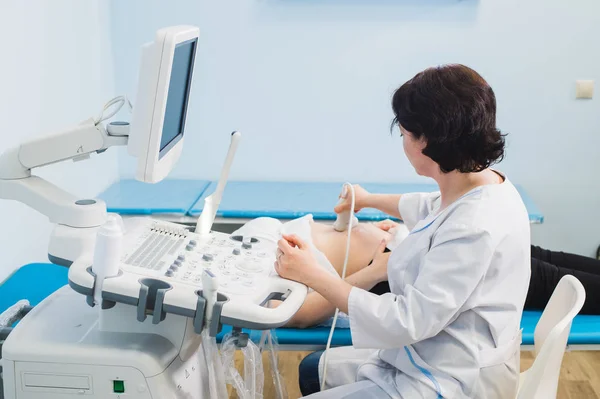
342,366
566,260
544,278
308,373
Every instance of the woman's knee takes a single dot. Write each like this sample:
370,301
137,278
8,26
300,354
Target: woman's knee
308,372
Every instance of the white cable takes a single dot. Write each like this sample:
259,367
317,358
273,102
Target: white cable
352,203
120,99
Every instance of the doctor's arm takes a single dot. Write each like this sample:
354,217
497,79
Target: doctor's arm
452,269
410,207
331,291
316,309
387,203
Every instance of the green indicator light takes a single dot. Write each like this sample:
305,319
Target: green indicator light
118,386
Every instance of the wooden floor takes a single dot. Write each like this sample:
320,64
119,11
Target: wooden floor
579,379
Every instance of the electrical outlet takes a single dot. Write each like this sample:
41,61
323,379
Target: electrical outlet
584,89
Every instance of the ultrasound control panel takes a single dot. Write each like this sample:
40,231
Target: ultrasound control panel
170,251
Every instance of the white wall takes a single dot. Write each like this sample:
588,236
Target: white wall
309,83
56,70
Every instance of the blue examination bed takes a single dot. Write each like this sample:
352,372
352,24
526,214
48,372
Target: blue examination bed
36,281
170,196
251,199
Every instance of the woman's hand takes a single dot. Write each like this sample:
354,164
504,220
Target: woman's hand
295,260
379,265
386,225
361,200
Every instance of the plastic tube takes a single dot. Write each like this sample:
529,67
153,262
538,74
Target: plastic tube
228,348
216,376
269,340
254,376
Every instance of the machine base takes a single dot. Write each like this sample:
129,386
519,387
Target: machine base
61,349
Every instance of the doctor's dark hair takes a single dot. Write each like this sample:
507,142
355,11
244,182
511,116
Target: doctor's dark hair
454,109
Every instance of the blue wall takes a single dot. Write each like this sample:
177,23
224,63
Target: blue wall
309,82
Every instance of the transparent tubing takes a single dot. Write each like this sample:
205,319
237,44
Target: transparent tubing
228,348
216,375
254,375
268,338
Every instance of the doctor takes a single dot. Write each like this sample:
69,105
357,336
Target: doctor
450,326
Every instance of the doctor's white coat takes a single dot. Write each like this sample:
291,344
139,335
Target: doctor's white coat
450,326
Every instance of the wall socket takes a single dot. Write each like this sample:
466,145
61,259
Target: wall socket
584,89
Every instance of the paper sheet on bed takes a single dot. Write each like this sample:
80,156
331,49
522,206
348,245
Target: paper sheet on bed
271,229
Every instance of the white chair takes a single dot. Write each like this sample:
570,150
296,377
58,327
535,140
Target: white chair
550,340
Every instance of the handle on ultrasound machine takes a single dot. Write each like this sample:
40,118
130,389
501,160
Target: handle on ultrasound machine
251,315
129,289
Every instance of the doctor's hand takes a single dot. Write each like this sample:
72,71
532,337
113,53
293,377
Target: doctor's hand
379,265
386,225
361,198
295,260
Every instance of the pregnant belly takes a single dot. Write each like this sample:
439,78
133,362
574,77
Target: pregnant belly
364,240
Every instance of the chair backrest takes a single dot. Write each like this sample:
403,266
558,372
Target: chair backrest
550,339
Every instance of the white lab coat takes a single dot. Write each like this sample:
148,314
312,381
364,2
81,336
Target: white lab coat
450,326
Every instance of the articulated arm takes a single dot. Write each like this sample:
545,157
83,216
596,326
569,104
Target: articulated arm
60,206
76,219
75,143
17,183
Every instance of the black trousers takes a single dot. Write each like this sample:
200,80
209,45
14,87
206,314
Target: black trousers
547,268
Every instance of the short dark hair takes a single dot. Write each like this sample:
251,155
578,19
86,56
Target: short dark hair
454,108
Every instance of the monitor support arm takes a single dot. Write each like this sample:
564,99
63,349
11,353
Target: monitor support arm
68,212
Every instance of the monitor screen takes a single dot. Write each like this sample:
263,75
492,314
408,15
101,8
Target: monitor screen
177,100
